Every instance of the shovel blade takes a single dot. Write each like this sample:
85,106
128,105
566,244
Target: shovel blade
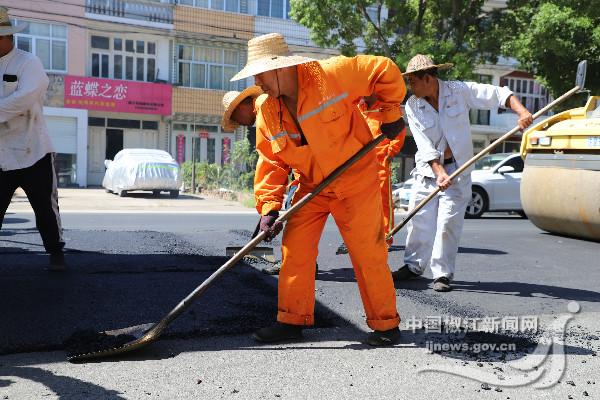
118,341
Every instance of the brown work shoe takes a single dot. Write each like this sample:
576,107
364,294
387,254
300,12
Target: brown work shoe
404,274
442,284
278,333
384,338
57,262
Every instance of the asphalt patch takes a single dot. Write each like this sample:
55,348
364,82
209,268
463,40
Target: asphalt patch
121,279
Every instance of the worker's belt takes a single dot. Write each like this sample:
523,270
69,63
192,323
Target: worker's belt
449,160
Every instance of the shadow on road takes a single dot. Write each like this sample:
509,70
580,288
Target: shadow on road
65,387
521,289
461,250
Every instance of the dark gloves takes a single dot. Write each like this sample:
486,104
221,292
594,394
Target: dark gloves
392,129
268,225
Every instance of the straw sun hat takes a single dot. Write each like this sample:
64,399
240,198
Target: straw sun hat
421,62
231,100
6,27
266,53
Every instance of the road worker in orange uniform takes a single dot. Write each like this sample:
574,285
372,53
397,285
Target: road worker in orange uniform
386,150
309,122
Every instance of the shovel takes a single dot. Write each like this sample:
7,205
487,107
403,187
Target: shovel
581,68
132,338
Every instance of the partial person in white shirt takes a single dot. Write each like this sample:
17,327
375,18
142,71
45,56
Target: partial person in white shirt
26,153
438,116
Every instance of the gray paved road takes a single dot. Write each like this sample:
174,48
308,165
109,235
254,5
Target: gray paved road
130,269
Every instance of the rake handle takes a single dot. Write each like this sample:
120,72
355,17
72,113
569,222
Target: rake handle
477,157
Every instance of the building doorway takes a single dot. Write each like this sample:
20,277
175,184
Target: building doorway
114,142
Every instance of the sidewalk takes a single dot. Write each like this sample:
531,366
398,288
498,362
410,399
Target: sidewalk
97,200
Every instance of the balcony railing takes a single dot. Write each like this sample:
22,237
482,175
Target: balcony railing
142,10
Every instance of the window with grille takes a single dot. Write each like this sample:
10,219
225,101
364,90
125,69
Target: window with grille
481,117
533,95
207,67
273,8
47,41
223,5
123,58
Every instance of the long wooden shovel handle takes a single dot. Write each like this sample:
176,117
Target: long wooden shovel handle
477,157
185,303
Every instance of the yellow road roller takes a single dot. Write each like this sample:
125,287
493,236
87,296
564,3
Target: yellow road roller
560,185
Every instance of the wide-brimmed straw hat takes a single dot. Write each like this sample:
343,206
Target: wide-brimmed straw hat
422,62
266,53
231,100
6,27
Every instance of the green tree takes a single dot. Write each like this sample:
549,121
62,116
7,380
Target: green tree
448,30
243,160
549,38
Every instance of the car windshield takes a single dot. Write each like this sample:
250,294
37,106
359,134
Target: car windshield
488,162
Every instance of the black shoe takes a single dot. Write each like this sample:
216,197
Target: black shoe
384,338
342,249
442,284
278,333
57,262
404,274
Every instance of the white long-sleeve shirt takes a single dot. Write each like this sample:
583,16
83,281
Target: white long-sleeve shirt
434,130
24,136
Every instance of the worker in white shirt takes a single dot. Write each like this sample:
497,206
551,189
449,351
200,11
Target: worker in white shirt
26,153
438,116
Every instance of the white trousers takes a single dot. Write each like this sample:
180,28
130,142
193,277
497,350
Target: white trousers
434,232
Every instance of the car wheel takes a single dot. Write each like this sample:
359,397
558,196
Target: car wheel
478,204
174,193
123,193
156,193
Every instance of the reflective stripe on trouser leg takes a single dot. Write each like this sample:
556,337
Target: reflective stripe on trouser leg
451,215
299,249
360,220
385,185
421,228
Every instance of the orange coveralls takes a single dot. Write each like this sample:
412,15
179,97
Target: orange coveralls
385,151
334,130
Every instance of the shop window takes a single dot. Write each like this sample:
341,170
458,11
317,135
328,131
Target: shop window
123,123
150,125
66,169
210,150
95,121
47,41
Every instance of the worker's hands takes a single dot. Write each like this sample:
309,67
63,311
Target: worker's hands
269,225
443,181
525,119
524,116
392,129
